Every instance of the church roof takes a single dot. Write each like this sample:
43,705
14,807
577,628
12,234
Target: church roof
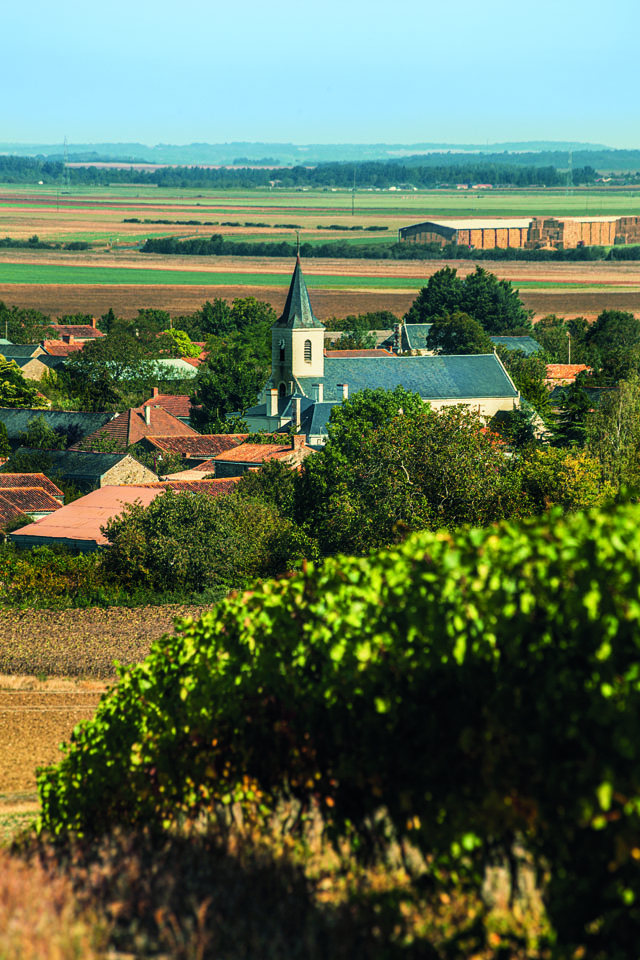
434,378
298,312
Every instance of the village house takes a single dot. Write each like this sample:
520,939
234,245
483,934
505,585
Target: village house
178,405
77,526
132,426
193,450
248,456
87,470
305,383
72,424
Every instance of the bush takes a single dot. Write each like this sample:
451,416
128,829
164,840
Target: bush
477,688
199,542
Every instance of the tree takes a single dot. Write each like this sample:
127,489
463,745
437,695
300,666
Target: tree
458,333
108,368
613,434
570,427
356,335
370,486
5,448
528,374
228,382
494,303
199,541
274,483
15,391
40,436
177,343
615,341
162,462
25,326
442,295
573,480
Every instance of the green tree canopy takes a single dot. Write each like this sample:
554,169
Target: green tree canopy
177,343
492,302
15,391
458,333
40,436
613,434
229,381
614,340
109,368
356,335
25,326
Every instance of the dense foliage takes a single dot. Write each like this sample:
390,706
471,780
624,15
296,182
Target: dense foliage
478,688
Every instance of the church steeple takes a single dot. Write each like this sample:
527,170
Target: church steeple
297,339
298,312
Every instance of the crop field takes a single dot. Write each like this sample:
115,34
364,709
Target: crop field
54,666
114,273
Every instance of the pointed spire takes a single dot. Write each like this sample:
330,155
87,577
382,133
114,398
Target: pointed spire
298,311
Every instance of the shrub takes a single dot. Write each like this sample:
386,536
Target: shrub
479,688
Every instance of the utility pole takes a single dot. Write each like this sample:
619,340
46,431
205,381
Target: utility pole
569,343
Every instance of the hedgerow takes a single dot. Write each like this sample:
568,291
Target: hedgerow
465,691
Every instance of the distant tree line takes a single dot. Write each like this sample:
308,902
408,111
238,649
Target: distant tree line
369,174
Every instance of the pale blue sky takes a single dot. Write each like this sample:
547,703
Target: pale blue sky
322,72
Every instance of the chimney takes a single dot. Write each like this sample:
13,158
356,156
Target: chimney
155,393
297,417
147,416
298,441
67,338
272,402
318,389
345,390
94,323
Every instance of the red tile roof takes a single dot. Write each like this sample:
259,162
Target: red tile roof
81,331
30,499
259,452
178,405
194,361
564,371
8,512
8,480
79,522
203,445
56,348
131,426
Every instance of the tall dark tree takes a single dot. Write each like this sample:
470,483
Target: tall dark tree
458,333
229,382
442,295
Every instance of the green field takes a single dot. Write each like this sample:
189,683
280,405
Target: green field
97,214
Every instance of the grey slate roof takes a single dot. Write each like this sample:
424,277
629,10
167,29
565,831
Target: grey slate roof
298,312
17,421
434,378
285,406
314,423
415,338
19,351
73,465
527,344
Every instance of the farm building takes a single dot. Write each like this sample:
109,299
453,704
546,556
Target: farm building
560,233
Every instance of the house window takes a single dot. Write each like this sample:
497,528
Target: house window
282,390
307,351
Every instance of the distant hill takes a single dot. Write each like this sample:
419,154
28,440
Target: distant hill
285,154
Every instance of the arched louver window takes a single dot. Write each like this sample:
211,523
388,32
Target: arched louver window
307,351
281,346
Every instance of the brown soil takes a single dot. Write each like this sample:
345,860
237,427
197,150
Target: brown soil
35,718
81,643
125,300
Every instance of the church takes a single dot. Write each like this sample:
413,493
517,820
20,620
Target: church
305,384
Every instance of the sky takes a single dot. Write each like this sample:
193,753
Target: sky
357,71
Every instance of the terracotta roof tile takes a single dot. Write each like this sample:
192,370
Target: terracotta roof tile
213,487
564,371
131,426
9,480
83,331
203,445
259,452
178,405
56,348
8,512
30,499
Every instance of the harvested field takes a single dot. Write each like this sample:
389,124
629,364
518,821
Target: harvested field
35,717
125,300
81,643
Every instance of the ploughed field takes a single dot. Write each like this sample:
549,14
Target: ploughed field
59,282
54,666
